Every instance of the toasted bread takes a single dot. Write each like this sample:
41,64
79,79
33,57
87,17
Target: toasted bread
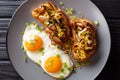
83,39
55,22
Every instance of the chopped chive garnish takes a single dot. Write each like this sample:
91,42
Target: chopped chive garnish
25,59
57,46
35,23
43,72
78,63
22,32
41,50
27,24
32,42
96,23
22,47
40,61
39,28
43,53
84,33
62,70
65,65
58,55
61,77
70,69
39,65
24,51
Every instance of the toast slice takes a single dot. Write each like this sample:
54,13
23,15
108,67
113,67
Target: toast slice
83,39
55,22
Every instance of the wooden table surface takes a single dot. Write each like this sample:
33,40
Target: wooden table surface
109,8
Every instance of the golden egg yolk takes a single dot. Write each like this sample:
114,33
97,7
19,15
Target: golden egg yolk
53,64
35,44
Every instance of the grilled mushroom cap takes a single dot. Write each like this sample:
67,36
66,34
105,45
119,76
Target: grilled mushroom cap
83,39
55,22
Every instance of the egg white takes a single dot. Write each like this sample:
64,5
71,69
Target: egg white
37,55
54,51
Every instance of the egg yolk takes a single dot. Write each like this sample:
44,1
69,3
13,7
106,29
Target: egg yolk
35,44
53,64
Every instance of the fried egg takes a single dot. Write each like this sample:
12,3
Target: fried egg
56,63
35,42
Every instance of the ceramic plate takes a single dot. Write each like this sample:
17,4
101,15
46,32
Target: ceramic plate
29,70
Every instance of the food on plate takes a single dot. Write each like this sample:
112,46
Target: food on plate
55,22
40,50
47,47
35,42
83,38
56,63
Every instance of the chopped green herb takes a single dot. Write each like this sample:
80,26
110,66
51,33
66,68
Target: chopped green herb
84,33
43,53
22,47
79,63
61,3
39,65
57,46
40,61
65,65
69,68
62,70
24,51
35,23
82,63
58,55
22,32
25,59
27,24
41,50
61,77
96,23
43,72
32,42
39,29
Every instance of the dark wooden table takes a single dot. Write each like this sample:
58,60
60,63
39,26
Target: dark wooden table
109,8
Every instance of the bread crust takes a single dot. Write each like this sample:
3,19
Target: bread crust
83,38
55,22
